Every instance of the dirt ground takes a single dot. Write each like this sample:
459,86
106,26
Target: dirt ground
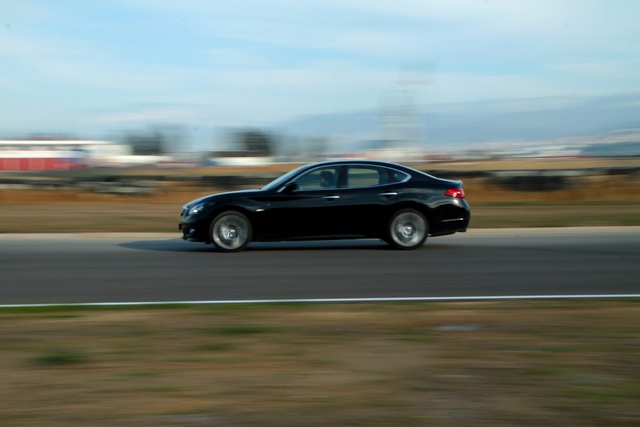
465,364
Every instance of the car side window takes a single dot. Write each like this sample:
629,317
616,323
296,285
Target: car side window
362,176
396,176
318,179
368,176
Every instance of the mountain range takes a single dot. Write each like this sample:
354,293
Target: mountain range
597,124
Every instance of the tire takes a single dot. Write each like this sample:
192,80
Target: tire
230,231
407,229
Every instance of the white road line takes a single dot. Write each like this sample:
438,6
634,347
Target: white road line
326,300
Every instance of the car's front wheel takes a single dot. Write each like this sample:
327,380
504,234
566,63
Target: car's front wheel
231,231
407,229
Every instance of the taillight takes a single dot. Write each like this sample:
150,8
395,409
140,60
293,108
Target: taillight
457,193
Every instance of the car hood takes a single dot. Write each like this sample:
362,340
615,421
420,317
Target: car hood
226,195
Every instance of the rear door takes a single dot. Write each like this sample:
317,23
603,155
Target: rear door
370,191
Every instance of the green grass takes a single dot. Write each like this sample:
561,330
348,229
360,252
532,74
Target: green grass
73,309
61,357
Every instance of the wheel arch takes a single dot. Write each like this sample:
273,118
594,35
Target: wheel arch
217,210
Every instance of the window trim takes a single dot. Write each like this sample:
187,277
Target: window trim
343,168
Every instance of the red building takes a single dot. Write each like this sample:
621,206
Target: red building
35,155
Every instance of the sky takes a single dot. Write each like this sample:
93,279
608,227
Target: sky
92,67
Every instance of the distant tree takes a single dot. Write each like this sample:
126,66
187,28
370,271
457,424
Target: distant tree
257,143
145,143
173,137
155,140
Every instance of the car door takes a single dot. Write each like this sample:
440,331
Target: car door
371,191
309,207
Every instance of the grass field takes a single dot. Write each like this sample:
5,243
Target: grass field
416,364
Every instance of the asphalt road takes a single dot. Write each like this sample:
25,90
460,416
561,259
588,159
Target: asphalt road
56,269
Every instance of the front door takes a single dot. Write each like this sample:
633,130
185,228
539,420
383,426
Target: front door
314,209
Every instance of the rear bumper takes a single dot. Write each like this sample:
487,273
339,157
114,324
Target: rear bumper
451,219
450,226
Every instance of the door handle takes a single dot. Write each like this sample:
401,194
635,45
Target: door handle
331,197
390,194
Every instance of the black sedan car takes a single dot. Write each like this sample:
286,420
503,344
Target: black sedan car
346,199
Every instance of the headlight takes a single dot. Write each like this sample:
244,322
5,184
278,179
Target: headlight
195,210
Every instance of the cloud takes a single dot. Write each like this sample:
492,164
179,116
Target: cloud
256,61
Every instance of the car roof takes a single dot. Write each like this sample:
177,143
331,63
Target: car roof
358,162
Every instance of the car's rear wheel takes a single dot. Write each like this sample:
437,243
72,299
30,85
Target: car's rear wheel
231,231
407,229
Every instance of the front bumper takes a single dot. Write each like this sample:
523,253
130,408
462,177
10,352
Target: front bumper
193,231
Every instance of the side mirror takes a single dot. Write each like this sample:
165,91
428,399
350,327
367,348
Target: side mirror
290,187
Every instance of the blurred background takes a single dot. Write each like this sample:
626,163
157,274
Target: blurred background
288,80
530,96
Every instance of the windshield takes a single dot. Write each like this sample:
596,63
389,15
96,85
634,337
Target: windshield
278,182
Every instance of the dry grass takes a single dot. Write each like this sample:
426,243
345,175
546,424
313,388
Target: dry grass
465,364
594,201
